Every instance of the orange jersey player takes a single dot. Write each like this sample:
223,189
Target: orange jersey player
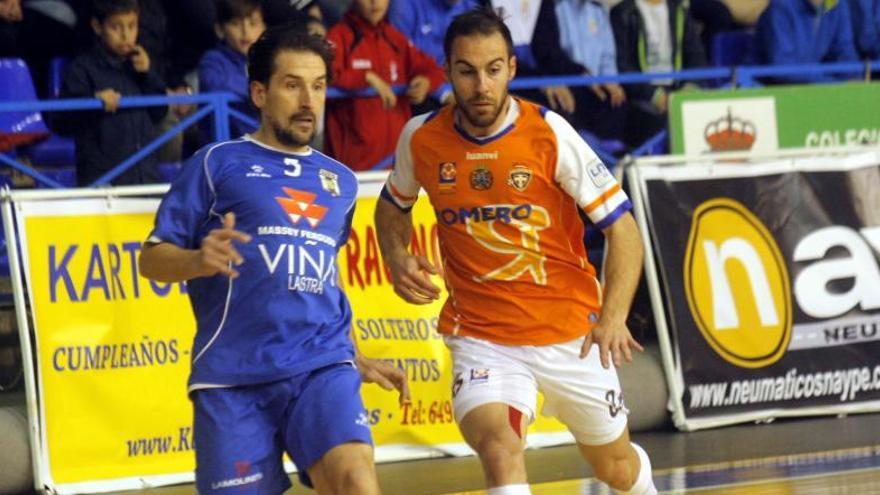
526,311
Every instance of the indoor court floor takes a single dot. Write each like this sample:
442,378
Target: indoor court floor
829,455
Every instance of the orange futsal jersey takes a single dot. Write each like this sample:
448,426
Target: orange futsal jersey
510,235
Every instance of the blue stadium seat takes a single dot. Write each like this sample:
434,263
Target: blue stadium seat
26,130
18,128
66,176
732,48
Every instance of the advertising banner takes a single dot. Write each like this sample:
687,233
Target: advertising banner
770,278
112,351
767,119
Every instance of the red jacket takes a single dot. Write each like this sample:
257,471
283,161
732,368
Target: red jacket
360,132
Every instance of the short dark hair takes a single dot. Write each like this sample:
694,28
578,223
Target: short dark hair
102,9
483,21
230,10
261,56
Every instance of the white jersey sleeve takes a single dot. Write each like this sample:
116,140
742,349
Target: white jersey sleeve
582,175
402,187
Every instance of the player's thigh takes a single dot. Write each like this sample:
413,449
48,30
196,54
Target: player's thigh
494,425
237,442
349,460
327,413
583,395
493,393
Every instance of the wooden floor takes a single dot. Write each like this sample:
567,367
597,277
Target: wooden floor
803,456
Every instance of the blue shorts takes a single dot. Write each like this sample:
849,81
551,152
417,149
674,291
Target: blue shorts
240,433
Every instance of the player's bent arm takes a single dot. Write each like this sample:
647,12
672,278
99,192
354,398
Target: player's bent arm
623,268
165,262
394,228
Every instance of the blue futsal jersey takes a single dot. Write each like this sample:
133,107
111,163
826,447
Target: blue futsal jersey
286,313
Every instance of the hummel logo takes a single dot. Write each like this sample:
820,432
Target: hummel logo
301,204
258,171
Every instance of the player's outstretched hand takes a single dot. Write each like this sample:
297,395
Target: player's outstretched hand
614,339
410,275
218,254
384,375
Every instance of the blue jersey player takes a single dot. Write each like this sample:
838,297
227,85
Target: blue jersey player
254,225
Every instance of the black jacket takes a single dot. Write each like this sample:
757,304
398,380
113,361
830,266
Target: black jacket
103,140
629,36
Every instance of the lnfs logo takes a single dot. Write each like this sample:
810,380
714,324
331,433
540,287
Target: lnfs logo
737,284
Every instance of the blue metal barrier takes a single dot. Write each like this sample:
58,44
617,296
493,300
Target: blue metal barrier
219,103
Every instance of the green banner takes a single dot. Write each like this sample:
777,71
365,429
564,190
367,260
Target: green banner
766,119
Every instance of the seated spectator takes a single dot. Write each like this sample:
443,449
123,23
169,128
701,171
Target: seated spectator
277,12
866,27
718,16
117,66
653,36
362,132
10,16
792,32
577,39
522,20
239,24
424,22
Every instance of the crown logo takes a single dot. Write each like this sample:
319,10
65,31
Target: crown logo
730,133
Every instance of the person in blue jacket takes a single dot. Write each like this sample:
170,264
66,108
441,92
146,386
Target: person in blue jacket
424,22
866,27
239,24
792,32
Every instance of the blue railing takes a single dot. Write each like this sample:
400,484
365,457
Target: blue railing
219,104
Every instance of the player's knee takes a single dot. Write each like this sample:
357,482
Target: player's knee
615,472
500,455
357,478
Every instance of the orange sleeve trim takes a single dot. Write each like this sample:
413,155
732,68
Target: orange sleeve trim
397,194
601,199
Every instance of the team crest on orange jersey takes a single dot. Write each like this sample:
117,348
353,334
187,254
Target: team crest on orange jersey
481,178
448,173
519,177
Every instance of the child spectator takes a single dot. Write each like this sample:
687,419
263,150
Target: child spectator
362,132
224,68
117,66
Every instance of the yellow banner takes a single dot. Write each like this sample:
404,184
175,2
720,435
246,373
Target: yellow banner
114,348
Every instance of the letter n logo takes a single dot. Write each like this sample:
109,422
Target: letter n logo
737,284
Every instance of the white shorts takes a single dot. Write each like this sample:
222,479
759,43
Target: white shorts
579,392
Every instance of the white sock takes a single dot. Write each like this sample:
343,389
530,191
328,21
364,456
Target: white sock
510,490
644,484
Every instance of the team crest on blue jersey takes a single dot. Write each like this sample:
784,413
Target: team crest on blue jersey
481,178
519,177
301,204
447,174
329,181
